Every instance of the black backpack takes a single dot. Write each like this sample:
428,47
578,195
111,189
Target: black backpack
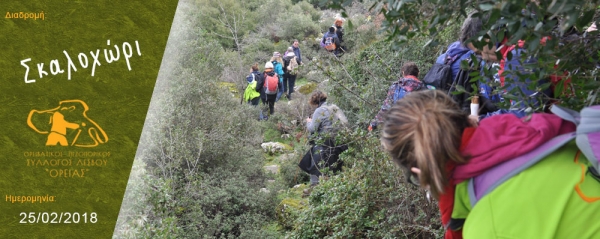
440,75
286,63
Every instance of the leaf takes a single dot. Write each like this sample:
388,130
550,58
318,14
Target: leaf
585,19
461,89
494,16
538,26
475,89
486,6
533,44
464,65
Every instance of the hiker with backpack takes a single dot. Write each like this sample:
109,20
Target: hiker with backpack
446,73
406,84
326,122
339,31
516,68
330,41
290,68
278,68
507,177
251,95
268,86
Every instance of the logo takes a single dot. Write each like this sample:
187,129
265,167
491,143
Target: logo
67,125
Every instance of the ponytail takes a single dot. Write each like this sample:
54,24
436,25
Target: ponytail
424,130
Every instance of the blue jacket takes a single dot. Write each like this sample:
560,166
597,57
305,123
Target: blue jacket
455,49
278,68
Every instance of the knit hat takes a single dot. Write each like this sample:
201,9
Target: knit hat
268,65
332,29
276,54
291,53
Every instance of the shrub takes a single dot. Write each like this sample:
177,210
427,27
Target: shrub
367,200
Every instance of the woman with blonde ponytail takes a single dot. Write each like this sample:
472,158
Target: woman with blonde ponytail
452,156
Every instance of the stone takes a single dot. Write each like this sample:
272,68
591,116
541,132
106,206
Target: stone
272,168
273,147
287,157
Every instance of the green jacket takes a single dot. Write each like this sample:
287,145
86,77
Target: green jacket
525,206
250,92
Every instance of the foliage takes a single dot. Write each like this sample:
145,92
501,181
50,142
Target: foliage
564,21
367,200
287,212
201,148
227,20
289,172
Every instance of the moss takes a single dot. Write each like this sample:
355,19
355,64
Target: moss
308,88
230,86
288,210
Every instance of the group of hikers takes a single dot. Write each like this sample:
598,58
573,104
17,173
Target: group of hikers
278,79
495,173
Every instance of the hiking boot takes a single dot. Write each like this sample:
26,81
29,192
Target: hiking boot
289,96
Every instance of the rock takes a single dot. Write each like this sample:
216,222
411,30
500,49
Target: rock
287,157
285,136
297,185
264,190
270,181
273,147
272,168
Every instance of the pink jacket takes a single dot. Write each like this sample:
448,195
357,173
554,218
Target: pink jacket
504,137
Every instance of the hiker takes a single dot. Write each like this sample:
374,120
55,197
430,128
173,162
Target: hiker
467,168
330,41
513,68
326,121
251,95
268,92
278,68
446,73
339,31
406,84
462,49
290,69
296,48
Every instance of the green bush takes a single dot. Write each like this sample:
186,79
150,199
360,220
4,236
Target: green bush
368,199
297,26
